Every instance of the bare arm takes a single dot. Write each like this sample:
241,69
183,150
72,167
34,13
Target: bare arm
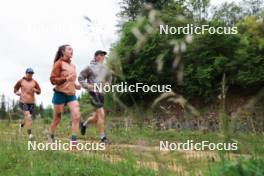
17,86
55,77
37,88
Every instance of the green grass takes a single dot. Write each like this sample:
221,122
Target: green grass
242,166
133,152
17,160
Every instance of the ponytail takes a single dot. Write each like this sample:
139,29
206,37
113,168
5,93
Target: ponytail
59,53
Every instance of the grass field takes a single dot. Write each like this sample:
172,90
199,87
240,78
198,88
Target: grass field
134,151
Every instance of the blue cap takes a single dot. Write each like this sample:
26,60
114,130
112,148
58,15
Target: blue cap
29,70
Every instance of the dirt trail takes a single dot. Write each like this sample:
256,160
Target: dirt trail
188,154
113,153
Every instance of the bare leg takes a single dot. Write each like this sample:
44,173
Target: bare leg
75,115
28,123
27,120
100,121
58,109
91,119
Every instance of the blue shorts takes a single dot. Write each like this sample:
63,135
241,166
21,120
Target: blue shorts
62,98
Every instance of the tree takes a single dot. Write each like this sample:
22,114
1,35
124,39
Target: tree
3,112
199,8
253,7
142,66
206,61
132,8
239,57
41,110
229,13
251,52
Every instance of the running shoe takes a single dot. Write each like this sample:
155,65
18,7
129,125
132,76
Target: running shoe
105,140
82,128
51,140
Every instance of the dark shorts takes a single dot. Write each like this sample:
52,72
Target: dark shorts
62,98
97,99
26,107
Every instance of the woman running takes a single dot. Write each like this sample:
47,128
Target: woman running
26,88
96,73
63,76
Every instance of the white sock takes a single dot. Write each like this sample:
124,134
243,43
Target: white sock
102,135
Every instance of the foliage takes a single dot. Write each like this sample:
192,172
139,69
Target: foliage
208,57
